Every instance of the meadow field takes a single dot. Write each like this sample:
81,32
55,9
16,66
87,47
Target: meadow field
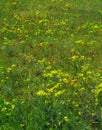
50,64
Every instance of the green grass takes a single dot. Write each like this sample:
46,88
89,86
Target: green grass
50,65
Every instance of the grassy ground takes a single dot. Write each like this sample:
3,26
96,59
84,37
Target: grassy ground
50,65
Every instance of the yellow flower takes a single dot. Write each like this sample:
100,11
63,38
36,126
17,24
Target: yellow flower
13,65
54,72
59,93
41,93
65,74
84,68
12,106
97,91
65,80
42,60
79,113
79,42
7,77
21,125
100,85
2,80
9,70
28,79
74,58
82,57
82,89
80,74
63,22
68,6
48,75
66,119
53,88
95,26
49,31
4,109
7,103
37,12
41,21
89,72
41,44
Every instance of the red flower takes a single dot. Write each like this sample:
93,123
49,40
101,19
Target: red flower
40,47
97,53
100,69
51,62
85,44
63,41
75,52
31,46
51,44
92,53
6,98
74,80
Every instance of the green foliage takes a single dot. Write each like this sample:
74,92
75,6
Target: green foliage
50,65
